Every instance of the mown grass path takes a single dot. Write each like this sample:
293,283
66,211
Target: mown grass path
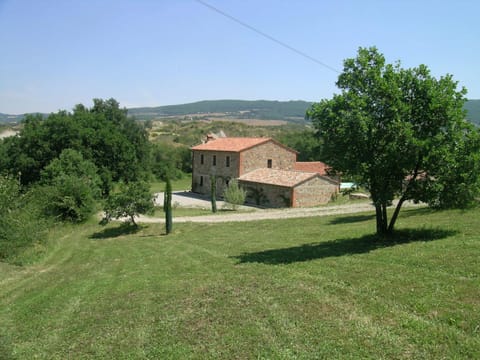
278,289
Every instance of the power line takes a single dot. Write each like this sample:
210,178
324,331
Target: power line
269,37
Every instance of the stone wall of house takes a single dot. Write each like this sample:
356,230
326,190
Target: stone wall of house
316,191
202,171
267,195
258,157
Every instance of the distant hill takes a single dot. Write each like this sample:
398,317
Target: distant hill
5,118
292,111
240,109
473,111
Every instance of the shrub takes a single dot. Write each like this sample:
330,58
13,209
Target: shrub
234,194
131,200
70,185
68,199
21,223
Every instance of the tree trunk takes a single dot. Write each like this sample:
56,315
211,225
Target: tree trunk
395,215
381,215
412,180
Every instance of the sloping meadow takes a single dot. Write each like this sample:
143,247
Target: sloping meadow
300,288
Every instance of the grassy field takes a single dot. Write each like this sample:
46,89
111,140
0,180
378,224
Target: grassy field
292,289
182,184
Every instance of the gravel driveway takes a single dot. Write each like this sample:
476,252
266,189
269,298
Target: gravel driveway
188,199
7,133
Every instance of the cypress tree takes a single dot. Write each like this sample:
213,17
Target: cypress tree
167,206
213,195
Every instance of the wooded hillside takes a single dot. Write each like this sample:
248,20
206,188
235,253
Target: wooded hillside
240,109
292,111
473,111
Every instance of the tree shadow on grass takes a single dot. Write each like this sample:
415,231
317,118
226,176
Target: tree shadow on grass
407,212
121,230
341,247
351,219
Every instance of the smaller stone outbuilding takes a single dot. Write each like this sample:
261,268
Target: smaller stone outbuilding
287,188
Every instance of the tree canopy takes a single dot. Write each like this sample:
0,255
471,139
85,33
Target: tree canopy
170,160
70,185
400,133
103,134
59,166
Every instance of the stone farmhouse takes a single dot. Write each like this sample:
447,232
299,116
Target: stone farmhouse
268,170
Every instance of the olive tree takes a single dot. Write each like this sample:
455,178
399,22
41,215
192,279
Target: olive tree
129,201
234,194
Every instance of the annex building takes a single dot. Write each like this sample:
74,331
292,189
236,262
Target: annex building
267,169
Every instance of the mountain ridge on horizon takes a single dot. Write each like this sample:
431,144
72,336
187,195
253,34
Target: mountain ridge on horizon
289,110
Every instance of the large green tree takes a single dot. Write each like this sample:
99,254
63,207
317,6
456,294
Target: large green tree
103,134
305,142
170,160
400,133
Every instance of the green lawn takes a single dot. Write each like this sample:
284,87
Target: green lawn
182,184
291,289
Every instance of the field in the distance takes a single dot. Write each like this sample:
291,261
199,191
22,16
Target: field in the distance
290,289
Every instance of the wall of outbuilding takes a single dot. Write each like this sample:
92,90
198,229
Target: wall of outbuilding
267,195
314,192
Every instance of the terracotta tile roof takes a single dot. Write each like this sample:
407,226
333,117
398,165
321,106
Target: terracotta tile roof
231,144
312,166
277,177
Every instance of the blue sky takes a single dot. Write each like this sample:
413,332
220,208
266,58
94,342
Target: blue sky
58,53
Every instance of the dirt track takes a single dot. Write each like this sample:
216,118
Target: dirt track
7,133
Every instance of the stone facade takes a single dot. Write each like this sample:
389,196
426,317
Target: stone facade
269,155
313,192
224,165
